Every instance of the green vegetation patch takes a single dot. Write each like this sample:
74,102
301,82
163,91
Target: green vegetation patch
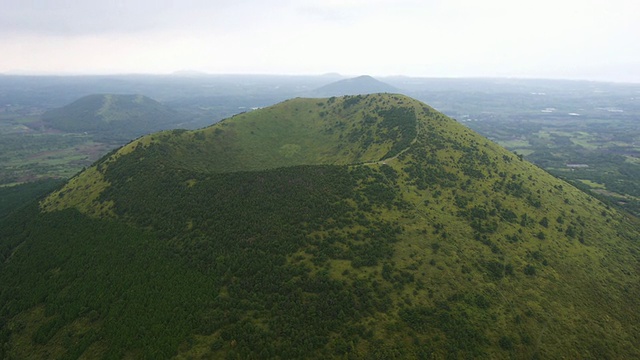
343,131
14,197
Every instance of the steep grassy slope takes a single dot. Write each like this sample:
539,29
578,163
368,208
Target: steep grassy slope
386,230
113,116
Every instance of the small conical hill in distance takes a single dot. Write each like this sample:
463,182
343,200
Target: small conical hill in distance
121,117
360,227
360,85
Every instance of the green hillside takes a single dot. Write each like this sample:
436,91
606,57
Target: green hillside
121,117
360,227
13,197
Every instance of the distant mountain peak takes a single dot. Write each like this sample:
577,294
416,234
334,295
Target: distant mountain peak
361,77
359,85
332,74
113,115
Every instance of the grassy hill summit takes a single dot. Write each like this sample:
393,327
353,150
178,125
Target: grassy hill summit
113,115
359,227
348,130
360,85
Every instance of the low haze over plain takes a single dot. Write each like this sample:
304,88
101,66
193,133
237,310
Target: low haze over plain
572,39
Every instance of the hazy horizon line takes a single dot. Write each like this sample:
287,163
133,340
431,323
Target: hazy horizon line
200,73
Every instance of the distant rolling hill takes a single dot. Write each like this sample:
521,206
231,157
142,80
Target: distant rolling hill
121,117
358,227
360,85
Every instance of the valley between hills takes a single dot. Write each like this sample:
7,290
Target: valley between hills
353,227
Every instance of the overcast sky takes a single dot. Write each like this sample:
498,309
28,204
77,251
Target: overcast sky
575,39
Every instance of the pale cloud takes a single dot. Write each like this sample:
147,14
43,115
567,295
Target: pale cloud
560,38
